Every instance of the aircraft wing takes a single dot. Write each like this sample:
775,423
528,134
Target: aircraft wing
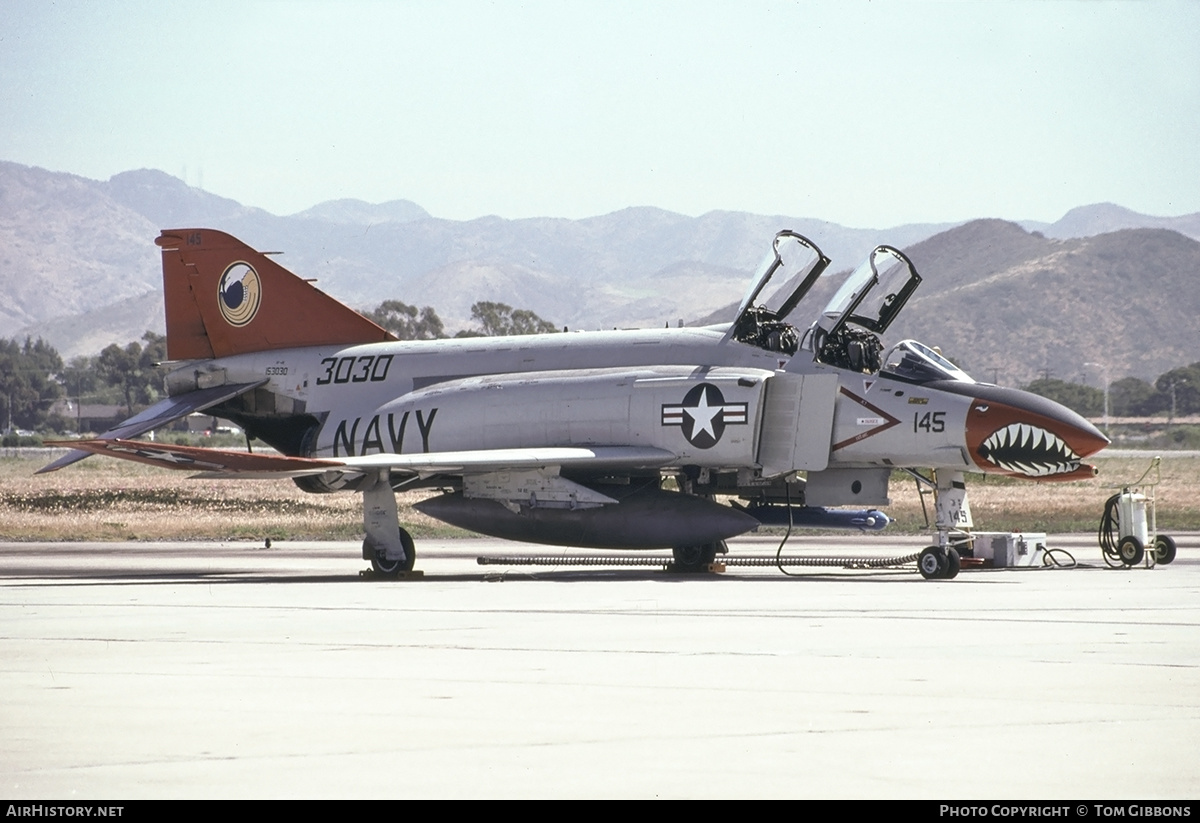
600,458
160,414
220,463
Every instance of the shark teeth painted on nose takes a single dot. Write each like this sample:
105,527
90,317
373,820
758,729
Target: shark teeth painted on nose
1029,450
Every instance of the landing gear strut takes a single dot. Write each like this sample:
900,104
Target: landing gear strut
389,547
952,524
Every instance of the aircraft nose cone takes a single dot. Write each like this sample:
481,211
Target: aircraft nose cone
1021,434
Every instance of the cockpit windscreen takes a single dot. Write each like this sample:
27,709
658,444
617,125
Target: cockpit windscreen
917,363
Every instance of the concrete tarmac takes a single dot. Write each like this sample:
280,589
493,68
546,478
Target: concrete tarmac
229,670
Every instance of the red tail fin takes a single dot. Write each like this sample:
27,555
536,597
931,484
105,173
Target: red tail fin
224,298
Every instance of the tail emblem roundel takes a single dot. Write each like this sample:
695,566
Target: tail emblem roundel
239,294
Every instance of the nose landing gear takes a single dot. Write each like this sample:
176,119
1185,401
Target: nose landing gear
952,523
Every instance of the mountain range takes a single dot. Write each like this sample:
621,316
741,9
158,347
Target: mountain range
1008,301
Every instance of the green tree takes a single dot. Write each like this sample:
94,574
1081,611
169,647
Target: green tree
134,369
27,388
500,319
1130,397
1184,382
407,322
1083,399
79,377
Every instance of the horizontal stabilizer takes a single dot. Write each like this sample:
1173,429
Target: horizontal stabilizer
194,458
160,414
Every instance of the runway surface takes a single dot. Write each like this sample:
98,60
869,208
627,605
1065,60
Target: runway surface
230,670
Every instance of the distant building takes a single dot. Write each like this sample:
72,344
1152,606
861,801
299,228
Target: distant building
89,417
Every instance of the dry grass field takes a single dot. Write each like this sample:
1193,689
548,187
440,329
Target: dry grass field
102,499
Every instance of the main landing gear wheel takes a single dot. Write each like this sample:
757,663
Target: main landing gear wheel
391,568
1130,550
1164,547
936,564
694,558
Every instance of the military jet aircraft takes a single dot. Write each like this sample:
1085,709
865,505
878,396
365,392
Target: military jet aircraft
571,438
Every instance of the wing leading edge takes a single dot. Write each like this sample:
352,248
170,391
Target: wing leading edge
220,463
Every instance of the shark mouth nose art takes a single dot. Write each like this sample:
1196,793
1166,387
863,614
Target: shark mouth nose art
1023,435
1022,448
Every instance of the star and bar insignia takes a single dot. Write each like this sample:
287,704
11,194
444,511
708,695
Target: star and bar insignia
703,415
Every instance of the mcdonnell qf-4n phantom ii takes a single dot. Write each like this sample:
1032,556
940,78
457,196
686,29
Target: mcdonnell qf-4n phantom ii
568,438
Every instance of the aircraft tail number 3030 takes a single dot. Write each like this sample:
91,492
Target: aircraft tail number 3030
366,368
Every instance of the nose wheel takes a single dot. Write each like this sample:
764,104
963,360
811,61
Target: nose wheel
936,563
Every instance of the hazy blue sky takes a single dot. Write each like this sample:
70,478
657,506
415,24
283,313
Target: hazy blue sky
864,113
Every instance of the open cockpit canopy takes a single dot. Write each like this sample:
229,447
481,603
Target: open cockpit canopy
780,283
846,334
873,294
782,299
